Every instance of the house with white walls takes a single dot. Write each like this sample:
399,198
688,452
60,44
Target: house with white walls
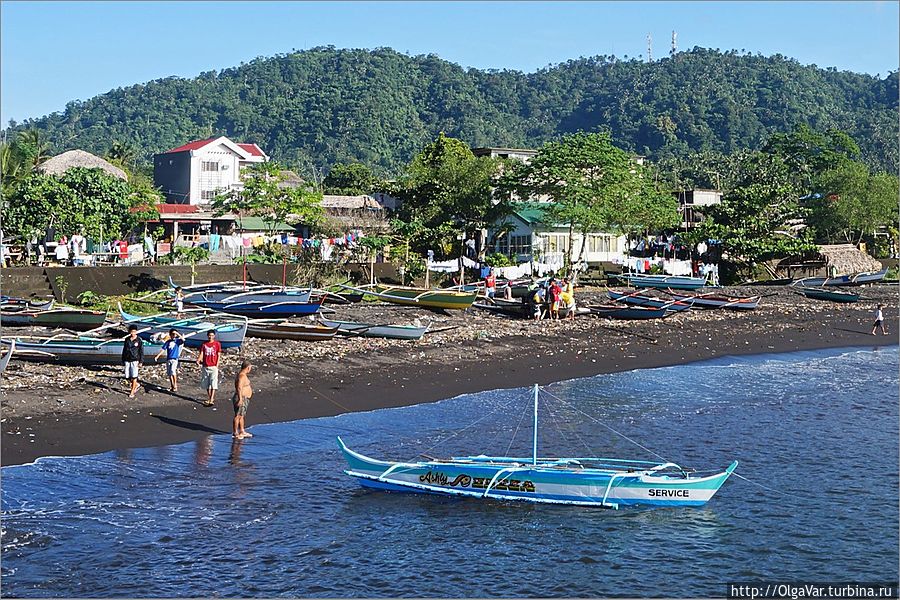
198,171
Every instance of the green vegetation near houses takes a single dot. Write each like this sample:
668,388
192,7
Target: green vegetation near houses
380,108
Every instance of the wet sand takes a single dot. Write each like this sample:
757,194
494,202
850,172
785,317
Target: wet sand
54,410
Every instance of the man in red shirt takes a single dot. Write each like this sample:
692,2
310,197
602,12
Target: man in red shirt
208,359
555,292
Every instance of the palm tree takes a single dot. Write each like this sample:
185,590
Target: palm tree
123,152
33,146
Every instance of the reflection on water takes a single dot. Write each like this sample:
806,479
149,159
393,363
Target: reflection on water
277,514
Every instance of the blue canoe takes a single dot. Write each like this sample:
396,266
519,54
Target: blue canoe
598,482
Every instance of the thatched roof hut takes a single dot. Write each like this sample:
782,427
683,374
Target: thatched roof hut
70,159
830,260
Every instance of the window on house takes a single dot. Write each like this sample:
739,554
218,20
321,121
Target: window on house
208,195
520,244
557,242
209,165
599,243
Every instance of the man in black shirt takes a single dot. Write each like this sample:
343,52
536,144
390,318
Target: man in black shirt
132,356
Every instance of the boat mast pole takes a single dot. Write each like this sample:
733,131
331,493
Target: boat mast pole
534,442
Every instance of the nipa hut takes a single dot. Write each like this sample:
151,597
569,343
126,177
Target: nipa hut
829,261
70,159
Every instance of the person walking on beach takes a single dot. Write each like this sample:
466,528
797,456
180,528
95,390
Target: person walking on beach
132,355
879,320
208,359
172,349
241,400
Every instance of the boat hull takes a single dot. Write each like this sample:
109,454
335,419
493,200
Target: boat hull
82,352
663,281
831,296
640,300
583,487
268,297
719,302
291,331
74,319
394,332
229,335
629,312
425,298
282,310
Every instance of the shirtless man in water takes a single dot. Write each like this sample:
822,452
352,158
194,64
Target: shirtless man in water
241,399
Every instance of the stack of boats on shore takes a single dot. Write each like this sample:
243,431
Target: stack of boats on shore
237,310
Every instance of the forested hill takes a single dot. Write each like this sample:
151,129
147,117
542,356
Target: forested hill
380,107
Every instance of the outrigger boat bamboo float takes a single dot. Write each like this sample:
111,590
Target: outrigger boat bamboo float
4,362
600,482
410,296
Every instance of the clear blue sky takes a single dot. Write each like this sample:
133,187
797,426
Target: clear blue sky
56,52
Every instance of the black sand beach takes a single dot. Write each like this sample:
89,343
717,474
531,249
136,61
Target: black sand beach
52,410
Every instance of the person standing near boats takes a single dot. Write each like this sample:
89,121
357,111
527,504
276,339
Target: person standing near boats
879,320
554,293
179,302
490,285
132,356
241,400
208,359
172,349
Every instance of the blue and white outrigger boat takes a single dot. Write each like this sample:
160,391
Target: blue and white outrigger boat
600,482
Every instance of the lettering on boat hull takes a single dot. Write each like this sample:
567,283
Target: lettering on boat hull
465,481
669,493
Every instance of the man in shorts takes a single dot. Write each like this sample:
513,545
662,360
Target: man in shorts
172,349
132,355
208,359
241,400
879,320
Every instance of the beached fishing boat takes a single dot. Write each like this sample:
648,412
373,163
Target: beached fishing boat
842,280
9,303
600,482
625,312
286,330
257,295
75,350
640,299
830,295
192,329
421,297
394,332
718,301
256,309
508,308
674,282
76,319
783,281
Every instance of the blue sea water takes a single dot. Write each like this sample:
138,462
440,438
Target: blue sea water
275,515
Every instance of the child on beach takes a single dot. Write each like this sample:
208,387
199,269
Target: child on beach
172,349
241,400
132,355
179,301
879,320
208,359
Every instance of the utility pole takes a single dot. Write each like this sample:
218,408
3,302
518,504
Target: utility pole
649,47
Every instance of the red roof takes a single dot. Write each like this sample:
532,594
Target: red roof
176,209
195,145
252,149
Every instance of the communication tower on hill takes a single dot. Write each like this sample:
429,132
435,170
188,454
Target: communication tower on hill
649,47
674,43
